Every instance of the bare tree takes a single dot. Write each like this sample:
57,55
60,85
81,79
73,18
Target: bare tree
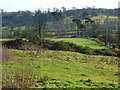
39,22
106,31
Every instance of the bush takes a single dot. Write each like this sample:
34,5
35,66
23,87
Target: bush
95,36
15,44
84,50
114,46
98,52
48,44
118,54
119,45
110,53
79,49
40,42
89,51
61,46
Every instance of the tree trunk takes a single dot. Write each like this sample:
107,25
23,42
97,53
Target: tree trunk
57,29
106,38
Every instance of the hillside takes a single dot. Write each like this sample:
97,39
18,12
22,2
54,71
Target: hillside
77,48
21,18
59,66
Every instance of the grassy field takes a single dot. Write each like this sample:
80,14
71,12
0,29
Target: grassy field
101,18
82,42
6,39
60,66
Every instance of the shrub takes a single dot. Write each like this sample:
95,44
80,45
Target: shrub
84,50
114,46
48,44
15,43
95,35
89,51
98,52
79,49
72,45
110,53
118,54
61,46
119,45
40,42
36,40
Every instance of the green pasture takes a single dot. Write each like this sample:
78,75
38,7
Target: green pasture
101,18
60,66
78,41
82,42
15,28
7,39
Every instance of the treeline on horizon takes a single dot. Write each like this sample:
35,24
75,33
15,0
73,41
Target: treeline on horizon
25,18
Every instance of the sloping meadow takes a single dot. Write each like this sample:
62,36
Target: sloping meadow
40,63
59,69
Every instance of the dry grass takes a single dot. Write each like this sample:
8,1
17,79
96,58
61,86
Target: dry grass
18,82
95,39
7,55
28,46
33,49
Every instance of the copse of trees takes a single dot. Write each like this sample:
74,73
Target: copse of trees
87,28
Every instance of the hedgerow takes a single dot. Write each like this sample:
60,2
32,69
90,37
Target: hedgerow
60,45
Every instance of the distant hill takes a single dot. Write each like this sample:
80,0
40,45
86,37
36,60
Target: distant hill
24,18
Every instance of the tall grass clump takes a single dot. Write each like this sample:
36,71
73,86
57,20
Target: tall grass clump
7,55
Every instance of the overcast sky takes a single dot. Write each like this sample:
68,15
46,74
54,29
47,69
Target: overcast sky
16,5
